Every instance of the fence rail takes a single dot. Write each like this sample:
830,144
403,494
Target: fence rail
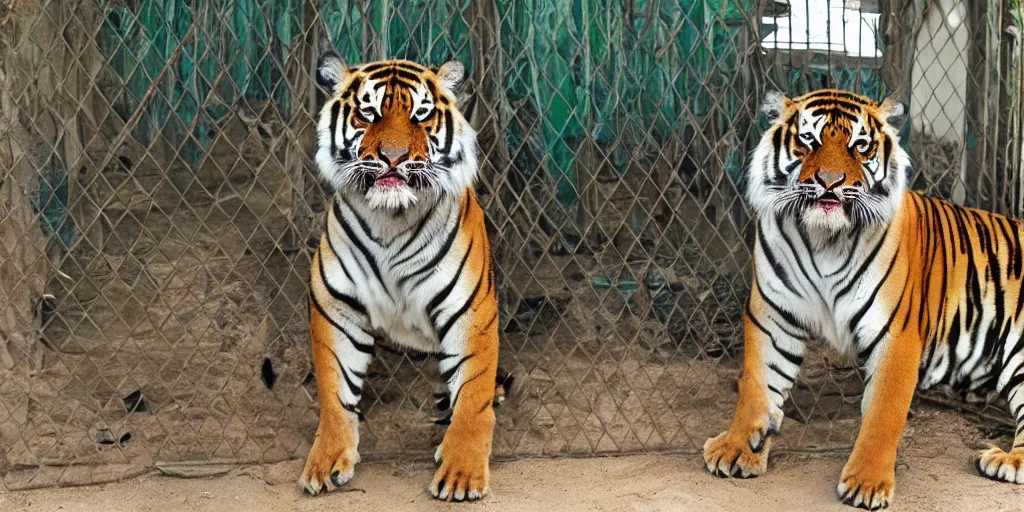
159,203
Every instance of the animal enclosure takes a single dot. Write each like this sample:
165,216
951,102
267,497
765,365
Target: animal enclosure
159,205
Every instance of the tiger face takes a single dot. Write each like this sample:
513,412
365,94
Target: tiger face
832,158
390,132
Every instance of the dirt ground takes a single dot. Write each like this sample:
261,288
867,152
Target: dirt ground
944,482
934,472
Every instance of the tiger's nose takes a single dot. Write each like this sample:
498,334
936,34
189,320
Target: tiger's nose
393,154
829,179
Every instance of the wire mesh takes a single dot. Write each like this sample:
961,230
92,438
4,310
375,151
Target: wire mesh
160,205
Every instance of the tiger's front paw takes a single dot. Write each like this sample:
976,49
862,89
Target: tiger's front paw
330,464
996,464
742,452
739,456
463,473
867,486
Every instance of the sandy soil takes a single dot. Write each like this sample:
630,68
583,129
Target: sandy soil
648,482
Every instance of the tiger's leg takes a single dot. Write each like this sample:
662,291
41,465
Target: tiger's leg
469,366
342,352
771,363
995,463
869,476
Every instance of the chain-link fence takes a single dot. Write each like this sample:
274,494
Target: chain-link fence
159,204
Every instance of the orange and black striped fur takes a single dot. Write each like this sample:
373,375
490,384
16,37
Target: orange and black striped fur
404,258
923,292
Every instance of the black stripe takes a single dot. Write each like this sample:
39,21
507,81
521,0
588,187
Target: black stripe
999,321
346,112
475,376
974,309
349,300
494,318
773,262
330,243
353,88
948,258
410,77
1015,350
335,111
855,319
1015,381
337,256
379,75
449,131
951,342
792,165
433,90
799,260
834,94
862,355
440,253
831,104
361,247
356,390
777,144
354,410
488,403
366,349
1016,248
1012,245
443,293
849,116
933,233
449,373
886,155
370,68
792,358
849,256
415,234
362,223
806,239
928,360
786,315
957,213
779,371
864,266
443,331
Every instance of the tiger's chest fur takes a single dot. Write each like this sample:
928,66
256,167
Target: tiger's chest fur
950,274
815,285
403,271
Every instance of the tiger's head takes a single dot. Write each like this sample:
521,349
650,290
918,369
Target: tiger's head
830,157
390,132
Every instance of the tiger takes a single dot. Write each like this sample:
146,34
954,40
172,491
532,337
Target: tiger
921,291
404,259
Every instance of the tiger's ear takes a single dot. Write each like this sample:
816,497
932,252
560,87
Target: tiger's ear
774,105
892,110
451,74
330,71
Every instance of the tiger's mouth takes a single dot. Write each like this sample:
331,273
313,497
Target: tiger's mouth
390,179
829,202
